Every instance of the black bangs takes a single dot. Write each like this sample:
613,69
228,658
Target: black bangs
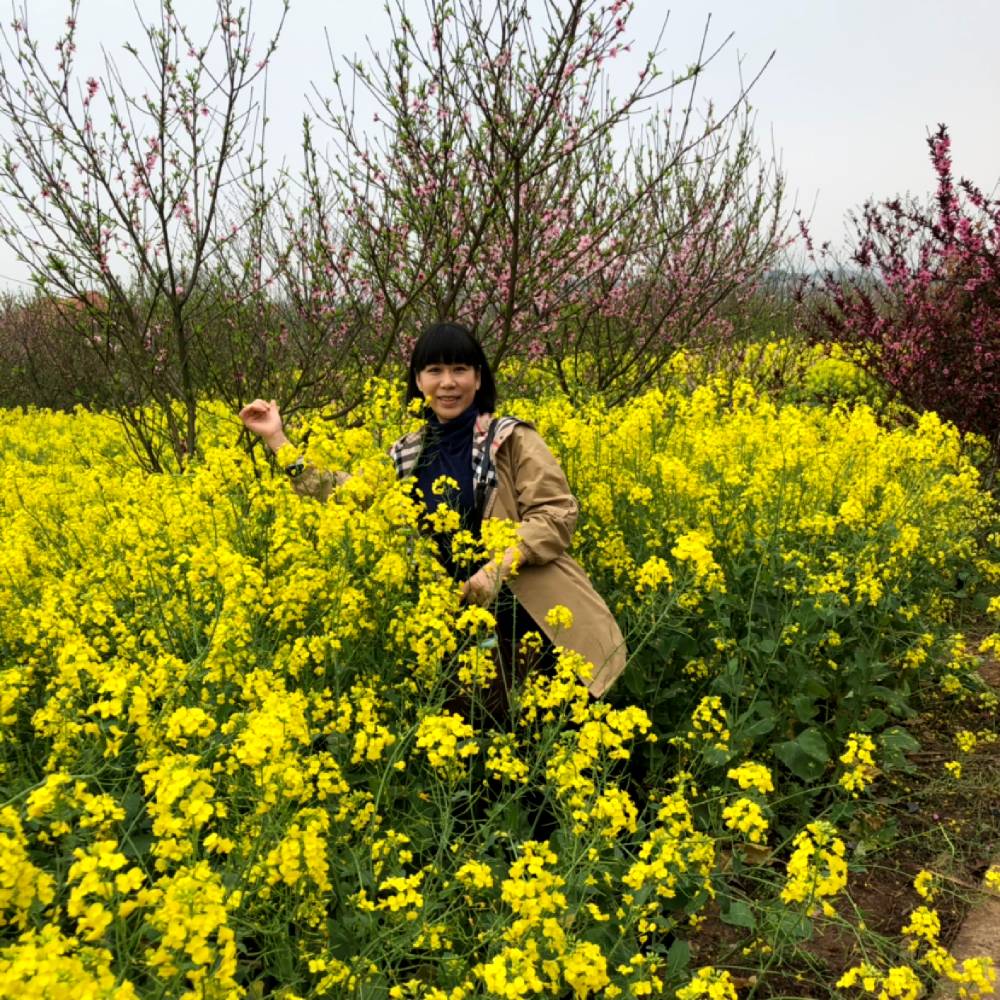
447,344
452,344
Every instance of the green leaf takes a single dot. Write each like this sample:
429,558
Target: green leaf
739,915
896,744
717,757
899,739
813,745
814,687
678,957
687,646
137,846
888,696
804,707
677,645
794,927
806,756
730,681
750,731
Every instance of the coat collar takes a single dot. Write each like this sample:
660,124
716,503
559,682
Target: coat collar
406,450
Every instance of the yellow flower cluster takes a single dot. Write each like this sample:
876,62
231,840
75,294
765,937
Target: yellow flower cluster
475,875
975,977
502,760
448,740
992,878
579,762
301,854
859,760
538,955
900,982
692,550
397,894
750,775
189,914
675,854
547,698
700,477
559,617
925,885
652,574
748,818
709,723
709,983
44,964
97,876
817,869
22,884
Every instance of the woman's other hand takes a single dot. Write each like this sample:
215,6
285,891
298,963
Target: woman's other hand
483,586
264,419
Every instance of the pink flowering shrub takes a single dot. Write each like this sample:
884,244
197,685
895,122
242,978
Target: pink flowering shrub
503,182
922,306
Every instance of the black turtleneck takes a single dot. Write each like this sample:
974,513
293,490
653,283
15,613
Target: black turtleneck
447,451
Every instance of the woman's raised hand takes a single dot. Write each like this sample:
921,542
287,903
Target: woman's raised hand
264,419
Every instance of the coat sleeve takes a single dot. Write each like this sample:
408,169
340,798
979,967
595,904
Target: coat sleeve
318,483
547,510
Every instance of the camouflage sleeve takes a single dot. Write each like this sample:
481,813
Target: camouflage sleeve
318,483
309,481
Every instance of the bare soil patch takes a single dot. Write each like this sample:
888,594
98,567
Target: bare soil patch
923,820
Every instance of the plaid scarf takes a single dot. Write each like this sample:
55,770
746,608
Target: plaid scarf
406,451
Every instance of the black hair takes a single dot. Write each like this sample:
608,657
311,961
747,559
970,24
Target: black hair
452,344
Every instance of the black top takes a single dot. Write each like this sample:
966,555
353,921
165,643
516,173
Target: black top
447,451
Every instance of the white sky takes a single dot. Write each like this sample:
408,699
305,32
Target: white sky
854,88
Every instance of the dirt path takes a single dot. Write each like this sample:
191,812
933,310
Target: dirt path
979,936
980,933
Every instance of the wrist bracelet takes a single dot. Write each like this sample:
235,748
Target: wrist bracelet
296,468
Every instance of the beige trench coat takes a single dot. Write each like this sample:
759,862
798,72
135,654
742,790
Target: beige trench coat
532,490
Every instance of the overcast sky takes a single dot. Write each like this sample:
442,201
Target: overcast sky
853,90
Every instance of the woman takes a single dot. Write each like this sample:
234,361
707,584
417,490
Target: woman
503,470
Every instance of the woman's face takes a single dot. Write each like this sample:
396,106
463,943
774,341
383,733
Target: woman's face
449,389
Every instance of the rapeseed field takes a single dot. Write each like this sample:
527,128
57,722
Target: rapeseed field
229,766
